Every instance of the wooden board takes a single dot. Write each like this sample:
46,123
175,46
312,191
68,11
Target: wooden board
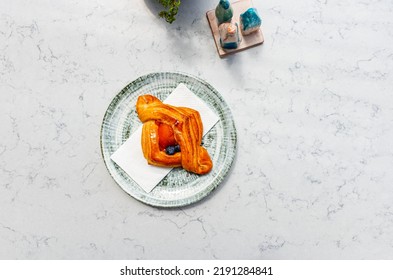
248,41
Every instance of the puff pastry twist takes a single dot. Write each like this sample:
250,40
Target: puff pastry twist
187,128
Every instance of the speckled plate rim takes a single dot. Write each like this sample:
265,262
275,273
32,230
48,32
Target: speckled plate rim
229,156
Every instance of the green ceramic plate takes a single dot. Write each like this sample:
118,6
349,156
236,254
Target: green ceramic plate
179,187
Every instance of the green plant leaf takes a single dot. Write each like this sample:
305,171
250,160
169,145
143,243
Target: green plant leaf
171,9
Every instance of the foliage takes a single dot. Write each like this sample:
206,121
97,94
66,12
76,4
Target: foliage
171,9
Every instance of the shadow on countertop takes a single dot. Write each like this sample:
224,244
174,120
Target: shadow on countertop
189,11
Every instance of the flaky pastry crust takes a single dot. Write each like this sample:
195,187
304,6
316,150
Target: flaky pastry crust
187,127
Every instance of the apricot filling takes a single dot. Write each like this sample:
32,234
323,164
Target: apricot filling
166,136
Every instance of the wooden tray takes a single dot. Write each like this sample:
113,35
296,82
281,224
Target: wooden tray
251,40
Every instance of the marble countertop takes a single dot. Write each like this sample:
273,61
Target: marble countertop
313,106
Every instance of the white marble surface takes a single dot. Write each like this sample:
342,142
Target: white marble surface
313,177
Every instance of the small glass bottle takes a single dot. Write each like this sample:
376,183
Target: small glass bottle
224,11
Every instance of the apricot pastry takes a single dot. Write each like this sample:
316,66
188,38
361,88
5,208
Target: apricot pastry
172,136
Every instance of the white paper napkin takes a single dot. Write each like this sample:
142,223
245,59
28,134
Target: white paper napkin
129,156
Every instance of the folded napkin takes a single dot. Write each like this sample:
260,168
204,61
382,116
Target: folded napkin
129,156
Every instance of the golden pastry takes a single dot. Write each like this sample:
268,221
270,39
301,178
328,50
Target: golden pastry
172,136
